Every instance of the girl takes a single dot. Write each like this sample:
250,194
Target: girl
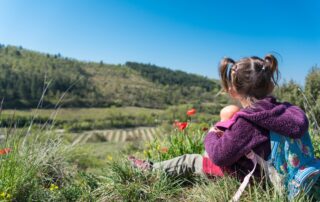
250,81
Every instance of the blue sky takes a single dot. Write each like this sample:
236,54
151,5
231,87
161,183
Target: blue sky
180,34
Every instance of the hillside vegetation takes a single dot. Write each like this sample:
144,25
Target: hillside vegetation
25,75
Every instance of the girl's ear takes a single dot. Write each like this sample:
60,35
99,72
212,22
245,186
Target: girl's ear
232,92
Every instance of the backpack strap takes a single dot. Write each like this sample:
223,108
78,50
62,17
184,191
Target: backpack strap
270,171
246,179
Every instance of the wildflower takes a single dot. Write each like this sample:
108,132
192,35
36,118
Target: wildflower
158,147
5,151
53,187
183,125
191,112
164,150
109,157
5,195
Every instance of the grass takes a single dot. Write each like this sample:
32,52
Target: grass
94,157
124,183
35,169
42,166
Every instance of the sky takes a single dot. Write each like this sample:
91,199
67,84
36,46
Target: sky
189,35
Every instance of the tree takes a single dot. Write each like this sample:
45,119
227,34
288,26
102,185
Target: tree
312,83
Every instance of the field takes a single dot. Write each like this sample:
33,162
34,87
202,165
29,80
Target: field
117,135
81,114
87,119
83,119
92,165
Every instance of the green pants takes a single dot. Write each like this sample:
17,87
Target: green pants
182,165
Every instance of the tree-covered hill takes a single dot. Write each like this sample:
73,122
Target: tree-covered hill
25,75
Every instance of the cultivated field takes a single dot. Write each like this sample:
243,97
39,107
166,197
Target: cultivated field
117,135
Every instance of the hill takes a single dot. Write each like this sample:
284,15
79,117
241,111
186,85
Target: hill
25,75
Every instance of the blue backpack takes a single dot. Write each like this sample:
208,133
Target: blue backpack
291,166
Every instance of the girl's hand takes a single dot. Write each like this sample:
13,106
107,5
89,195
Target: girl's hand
218,132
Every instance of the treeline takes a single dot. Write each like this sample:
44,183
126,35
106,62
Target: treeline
26,75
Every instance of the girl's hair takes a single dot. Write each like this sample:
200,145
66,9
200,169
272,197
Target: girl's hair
253,78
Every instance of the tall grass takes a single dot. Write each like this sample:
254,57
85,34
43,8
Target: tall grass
312,107
122,182
36,169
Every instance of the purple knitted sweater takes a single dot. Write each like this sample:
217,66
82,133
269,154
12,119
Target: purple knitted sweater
250,131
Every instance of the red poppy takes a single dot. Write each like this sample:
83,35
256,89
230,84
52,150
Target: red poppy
5,151
191,112
180,125
164,150
183,125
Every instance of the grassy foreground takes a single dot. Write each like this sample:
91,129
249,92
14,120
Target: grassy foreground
43,166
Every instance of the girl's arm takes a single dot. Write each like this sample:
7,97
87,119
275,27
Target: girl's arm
234,143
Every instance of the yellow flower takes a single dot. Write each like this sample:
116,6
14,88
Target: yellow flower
53,187
158,147
3,194
145,152
109,157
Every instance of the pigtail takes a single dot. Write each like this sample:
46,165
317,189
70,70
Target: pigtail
225,72
271,65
